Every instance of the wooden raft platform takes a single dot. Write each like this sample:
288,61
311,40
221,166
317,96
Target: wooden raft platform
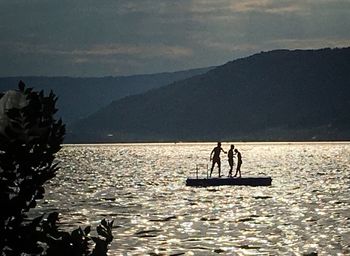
244,181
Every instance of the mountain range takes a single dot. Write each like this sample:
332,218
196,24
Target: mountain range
79,97
276,95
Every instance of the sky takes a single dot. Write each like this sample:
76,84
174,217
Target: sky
94,38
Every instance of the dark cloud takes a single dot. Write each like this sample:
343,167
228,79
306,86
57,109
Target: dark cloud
96,38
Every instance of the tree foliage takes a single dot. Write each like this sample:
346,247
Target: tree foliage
30,137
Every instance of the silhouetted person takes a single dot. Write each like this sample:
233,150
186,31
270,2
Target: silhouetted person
239,163
216,158
230,156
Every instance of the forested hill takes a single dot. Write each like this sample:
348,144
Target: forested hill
79,97
276,95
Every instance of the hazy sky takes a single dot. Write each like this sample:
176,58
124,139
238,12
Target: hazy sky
112,37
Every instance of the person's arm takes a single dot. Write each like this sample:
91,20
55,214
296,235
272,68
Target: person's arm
211,154
223,150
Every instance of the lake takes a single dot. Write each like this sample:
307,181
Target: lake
142,188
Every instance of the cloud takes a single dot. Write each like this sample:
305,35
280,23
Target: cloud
126,37
267,6
140,51
313,43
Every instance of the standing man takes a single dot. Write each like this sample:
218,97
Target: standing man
239,163
230,156
216,158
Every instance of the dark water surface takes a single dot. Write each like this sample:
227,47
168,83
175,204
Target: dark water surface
142,188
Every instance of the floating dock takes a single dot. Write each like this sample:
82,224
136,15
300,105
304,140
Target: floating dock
244,181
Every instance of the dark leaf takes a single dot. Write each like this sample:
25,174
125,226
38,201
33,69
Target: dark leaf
21,85
87,230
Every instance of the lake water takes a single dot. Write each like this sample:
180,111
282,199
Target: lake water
142,188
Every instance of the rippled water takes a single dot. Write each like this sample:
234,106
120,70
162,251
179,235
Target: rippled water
142,188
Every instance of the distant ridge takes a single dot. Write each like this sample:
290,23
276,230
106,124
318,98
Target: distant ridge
81,96
276,95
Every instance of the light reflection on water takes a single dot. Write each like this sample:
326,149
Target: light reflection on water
142,188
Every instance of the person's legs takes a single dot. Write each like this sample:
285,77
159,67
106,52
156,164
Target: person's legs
219,165
239,169
212,168
231,167
215,161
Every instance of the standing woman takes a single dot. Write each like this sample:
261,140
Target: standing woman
239,163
